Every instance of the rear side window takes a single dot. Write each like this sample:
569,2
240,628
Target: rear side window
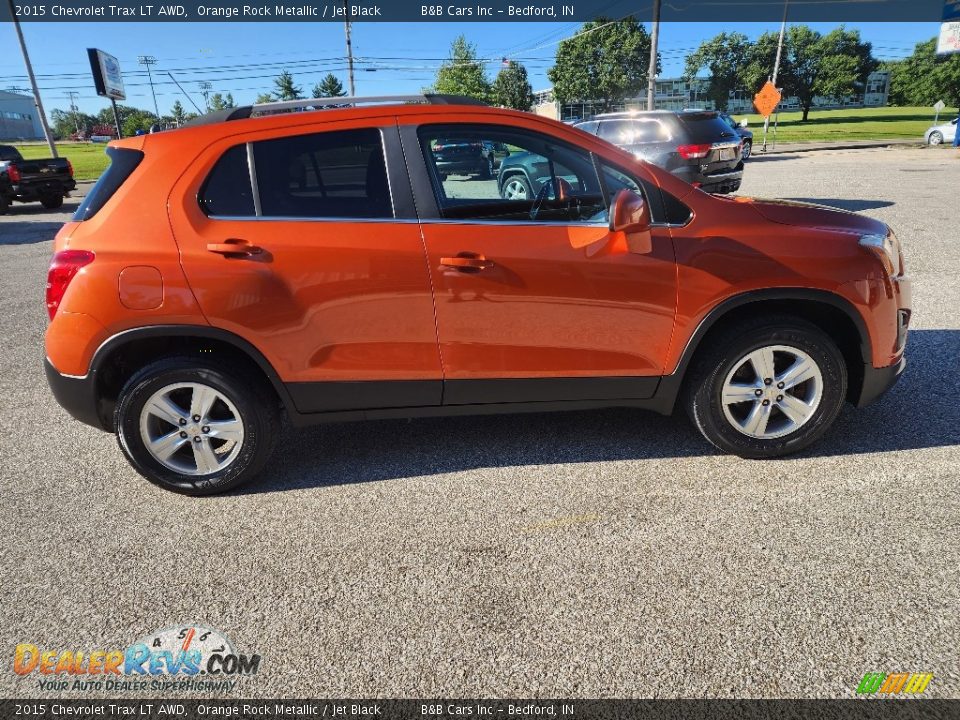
227,191
331,174
633,132
8,153
122,164
706,128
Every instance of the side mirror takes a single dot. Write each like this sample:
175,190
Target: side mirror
744,123
629,214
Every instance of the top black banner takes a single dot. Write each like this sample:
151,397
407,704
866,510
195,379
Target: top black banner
474,11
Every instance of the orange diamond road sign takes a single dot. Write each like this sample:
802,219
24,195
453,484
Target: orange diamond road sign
767,99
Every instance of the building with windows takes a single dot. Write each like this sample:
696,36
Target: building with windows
18,117
679,93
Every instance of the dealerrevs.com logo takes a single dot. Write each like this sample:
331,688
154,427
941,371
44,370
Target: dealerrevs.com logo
894,683
187,657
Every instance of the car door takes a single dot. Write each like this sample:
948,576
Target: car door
535,298
304,242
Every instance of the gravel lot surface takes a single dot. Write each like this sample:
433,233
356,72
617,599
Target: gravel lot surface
573,555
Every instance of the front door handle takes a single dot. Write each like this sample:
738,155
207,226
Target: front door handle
467,262
234,248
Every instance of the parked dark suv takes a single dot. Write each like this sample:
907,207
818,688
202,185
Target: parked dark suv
456,157
697,146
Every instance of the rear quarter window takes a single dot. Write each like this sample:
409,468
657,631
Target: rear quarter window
227,191
633,132
123,162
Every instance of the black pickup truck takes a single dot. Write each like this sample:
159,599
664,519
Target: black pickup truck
49,180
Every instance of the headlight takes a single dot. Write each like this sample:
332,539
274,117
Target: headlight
887,248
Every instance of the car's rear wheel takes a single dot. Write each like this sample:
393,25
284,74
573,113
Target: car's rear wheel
52,202
192,427
487,171
747,150
516,187
936,138
768,388
4,205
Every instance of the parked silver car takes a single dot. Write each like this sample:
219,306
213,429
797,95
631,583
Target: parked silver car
941,133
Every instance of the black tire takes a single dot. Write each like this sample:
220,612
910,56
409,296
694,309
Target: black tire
936,138
747,150
52,202
4,205
255,403
724,353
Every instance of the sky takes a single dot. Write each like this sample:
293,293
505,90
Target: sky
392,58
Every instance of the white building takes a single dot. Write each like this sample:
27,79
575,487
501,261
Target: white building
678,93
18,117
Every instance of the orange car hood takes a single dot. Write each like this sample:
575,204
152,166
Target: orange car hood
789,212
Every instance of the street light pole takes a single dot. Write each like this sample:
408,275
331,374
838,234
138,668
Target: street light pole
652,70
33,82
776,70
149,60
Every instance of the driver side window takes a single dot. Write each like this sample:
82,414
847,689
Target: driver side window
496,173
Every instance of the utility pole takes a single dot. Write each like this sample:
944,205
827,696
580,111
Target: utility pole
346,27
652,71
205,88
149,60
776,70
73,109
33,82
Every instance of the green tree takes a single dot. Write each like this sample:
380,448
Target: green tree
264,98
512,88
726,56
65,123
606,61
845,63
925,77
221,102
462,73
285,88
761,58
137,120
178,114
330,86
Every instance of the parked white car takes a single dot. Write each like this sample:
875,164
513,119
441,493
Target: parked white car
941,133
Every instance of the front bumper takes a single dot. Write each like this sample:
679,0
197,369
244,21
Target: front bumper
77,395
876,381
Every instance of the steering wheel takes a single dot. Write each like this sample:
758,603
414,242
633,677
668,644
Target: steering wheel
564,190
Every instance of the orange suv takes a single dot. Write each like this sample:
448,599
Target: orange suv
313,262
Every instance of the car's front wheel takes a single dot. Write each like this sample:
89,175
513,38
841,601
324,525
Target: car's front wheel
936,138
768,388
192,427
747,150
516,187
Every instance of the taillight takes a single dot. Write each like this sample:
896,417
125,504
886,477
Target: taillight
13,172
63,267
694,152
70,168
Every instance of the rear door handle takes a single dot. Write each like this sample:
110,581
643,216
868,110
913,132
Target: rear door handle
465,262
234,247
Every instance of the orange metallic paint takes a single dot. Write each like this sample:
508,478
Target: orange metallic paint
360,300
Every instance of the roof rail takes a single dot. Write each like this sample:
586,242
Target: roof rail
308,104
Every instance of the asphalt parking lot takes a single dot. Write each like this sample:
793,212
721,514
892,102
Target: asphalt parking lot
574,555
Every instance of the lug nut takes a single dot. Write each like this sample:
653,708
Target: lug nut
183,434
779,398
780,385
767,381
183,421
758,393
205,428
766,402
197,438
196,418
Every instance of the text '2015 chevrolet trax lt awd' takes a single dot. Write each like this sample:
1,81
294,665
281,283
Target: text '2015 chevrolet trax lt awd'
320,265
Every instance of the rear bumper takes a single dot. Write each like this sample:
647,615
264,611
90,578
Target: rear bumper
76,395
29,192
468,165
876,381
721,181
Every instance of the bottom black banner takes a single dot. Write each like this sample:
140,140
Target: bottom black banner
520,709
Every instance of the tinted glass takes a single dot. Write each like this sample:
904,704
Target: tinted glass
227,191
122,164
633,132
8,153
533,177
706,128
332,174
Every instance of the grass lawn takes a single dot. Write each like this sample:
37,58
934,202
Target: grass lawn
887,123
88,159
